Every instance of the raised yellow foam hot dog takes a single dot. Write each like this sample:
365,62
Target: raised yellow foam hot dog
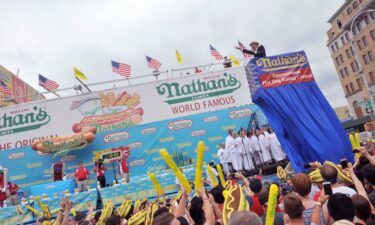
199,165
272,202
351,139
221,174
167,158
212,176
155,182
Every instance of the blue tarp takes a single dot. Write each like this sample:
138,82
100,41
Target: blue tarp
308,129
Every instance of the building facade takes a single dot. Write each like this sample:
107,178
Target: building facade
351,42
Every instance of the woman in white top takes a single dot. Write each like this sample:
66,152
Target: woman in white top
263,146
255,148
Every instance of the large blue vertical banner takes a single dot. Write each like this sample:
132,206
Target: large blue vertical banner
308,129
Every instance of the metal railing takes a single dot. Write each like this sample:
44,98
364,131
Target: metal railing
158,75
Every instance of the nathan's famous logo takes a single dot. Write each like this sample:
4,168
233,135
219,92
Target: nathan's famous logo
23,120
181,124
282,62
114,137
198,89
239,113
109,111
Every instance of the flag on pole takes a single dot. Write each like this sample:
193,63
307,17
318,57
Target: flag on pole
121,69
179,57
48,84
153,63
235,61
79,74
4,88
242,47
215,53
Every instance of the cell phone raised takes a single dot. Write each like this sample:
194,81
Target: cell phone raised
344,163
307,166
327,188
356,151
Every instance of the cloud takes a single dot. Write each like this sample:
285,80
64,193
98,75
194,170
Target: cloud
51,37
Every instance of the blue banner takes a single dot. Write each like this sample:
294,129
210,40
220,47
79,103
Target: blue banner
307,127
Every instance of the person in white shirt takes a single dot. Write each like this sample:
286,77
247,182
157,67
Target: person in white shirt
275,146
268,143
240,151
216,174
230,147
258,161
330,174
246,158
263,146
223,156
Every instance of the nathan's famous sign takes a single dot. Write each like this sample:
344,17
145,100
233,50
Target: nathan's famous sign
23,120
123,107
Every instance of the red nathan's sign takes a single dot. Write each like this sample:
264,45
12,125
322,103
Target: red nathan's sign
292,76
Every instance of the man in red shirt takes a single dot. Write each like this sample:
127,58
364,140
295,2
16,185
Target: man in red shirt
256,188
13,193
82,176
58,170
123,165
99,169
3,186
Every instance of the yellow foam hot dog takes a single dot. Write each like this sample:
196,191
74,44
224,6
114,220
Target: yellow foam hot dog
221,174
155,182
272,202
212,176
351,139
357,141
167,158
199,165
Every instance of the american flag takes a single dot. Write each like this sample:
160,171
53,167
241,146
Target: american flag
242,47
153,63
48,84
121,68
216,54
4,88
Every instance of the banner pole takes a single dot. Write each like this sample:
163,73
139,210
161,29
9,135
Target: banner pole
83,84
51,92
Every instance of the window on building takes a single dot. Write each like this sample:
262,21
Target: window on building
355,5
351,87
366,59
359,83
348,54
364,41
339,24
356,64
372,77
346,71
336,46
354,69
360,45
333,48
341,58
342,74
372,33
367,20
357,109
347,89
360,1
372,15
347,37
349,11
343,40
358,26
351,50
371,56
337,61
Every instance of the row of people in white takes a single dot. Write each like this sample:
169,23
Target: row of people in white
246,151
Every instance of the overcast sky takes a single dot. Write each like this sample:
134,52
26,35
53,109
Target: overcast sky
50,37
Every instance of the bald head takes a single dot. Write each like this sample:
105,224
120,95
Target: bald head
245,218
